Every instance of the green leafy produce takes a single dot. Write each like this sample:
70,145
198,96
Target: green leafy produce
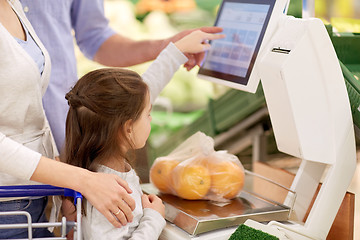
163,124
244,232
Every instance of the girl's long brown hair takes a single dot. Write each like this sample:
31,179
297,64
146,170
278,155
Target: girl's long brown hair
100,104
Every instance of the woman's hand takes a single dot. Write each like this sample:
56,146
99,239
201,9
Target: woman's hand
109,194
106,192
154,202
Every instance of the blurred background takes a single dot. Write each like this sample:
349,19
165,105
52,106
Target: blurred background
186,97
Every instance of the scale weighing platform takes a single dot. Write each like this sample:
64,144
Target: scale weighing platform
201,216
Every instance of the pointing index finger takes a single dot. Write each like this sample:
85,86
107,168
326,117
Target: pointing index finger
210,36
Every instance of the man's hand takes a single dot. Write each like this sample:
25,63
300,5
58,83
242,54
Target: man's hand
194,59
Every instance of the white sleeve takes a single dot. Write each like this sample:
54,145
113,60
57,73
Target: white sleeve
16,159
150,227
162,69
97,227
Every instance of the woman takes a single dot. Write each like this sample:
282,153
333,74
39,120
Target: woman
26,144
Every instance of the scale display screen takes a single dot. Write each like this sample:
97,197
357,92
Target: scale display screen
244,23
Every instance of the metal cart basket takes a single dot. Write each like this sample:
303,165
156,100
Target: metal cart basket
38,191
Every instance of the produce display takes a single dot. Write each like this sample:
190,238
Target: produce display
185,91
167,6
194,170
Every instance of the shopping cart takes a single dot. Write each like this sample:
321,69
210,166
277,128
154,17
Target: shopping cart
38,191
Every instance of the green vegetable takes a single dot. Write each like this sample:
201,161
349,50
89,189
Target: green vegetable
244,232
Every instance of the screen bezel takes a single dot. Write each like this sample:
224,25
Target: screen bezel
230,80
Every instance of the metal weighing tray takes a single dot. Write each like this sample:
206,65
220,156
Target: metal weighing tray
199,216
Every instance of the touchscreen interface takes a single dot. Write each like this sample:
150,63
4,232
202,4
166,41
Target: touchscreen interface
244,23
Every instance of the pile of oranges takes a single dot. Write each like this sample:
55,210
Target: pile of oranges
198,178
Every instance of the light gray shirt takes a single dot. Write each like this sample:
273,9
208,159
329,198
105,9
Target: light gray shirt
146,225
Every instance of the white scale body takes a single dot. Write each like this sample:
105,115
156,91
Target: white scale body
311,118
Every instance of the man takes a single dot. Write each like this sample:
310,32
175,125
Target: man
55,22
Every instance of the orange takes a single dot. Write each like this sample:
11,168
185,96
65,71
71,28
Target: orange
160,174
191,181
227,179
204,161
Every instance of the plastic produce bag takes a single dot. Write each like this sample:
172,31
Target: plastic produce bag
194,170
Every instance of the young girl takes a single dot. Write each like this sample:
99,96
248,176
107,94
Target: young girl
109,118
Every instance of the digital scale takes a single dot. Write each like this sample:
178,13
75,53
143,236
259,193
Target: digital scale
201,216
310,114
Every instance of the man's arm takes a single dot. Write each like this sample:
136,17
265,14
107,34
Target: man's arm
121,51
100,43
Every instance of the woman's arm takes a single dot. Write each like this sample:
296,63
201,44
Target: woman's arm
106,192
